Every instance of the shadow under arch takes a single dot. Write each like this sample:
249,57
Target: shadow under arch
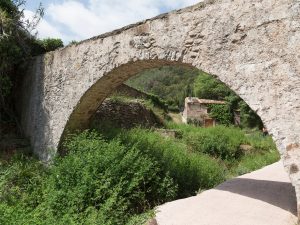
279,194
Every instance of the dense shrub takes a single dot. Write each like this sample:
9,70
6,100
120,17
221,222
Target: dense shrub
260,142
225,142
255,161
218,141
96,183
263,153
21,189
41,46
191,171
221,113
119,181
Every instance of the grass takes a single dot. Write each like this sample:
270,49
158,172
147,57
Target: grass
191,171
224,143
254,161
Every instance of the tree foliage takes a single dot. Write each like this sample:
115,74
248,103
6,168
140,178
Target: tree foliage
13,48
50,44
172,84
208,87
17,44
249,117
221,113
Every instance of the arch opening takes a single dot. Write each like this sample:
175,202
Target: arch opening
81,116
95,95
113,80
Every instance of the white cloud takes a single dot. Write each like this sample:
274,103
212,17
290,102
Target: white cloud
44,28
73,20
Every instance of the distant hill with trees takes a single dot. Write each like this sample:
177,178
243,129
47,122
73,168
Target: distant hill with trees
173,84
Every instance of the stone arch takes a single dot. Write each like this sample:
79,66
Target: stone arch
96,94
249,45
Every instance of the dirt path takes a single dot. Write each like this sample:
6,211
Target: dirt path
263,197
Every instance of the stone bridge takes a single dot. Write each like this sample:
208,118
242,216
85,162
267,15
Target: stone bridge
250,45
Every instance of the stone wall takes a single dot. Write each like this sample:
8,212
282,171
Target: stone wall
125,114
251,46
126,90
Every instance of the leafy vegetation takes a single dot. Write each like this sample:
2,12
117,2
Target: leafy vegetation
48,44
119,178
172,84
208,87
226,144
190,171
221,142
221,113
96,183
17,44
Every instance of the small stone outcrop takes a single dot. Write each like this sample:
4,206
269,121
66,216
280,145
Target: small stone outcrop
125,90
126,114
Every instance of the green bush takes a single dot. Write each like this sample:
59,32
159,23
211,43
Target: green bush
255,161
119,181
260,142
96,183
263,152
21,189
190,171
220,142
221,113
50,44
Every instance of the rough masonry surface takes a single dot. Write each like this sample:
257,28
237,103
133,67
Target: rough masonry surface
250,45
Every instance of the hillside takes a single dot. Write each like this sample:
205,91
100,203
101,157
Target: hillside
172,84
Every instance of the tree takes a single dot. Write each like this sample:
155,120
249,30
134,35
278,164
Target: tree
248,117
171,83
208,87
222,114
49,44
15,47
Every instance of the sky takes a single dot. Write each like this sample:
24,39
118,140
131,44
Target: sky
81,19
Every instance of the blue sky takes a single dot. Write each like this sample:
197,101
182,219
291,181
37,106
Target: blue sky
81,19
